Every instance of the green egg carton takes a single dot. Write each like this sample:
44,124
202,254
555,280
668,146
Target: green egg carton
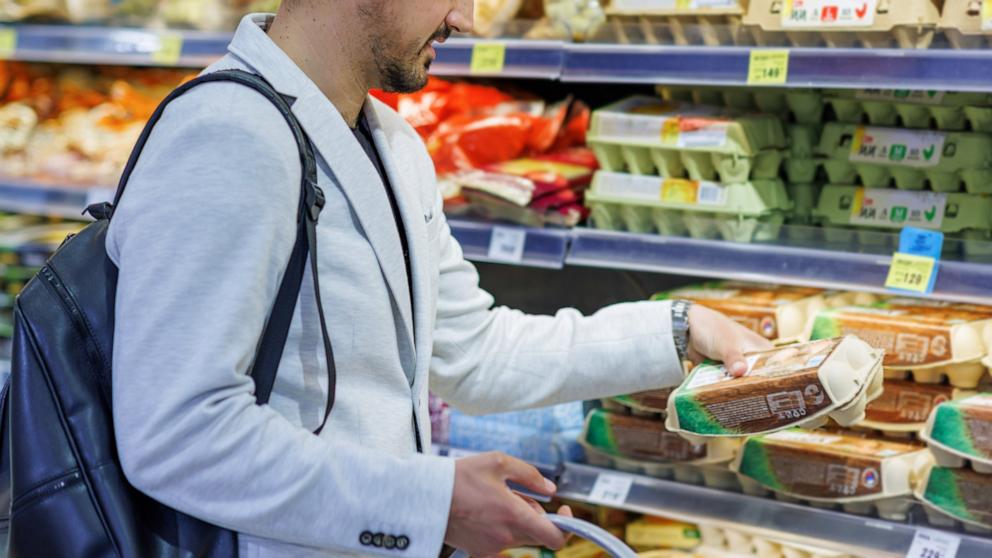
649,136
801,164
890,209
909,159
805,106
804,198
939,110
743,212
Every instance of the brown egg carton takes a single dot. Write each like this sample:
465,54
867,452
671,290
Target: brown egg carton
666,23
710,475
907,24
961,23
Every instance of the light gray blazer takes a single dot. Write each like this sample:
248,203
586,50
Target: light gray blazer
202,238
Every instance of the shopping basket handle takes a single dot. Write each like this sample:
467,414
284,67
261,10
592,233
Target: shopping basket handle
592,533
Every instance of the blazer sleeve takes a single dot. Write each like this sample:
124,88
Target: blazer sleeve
493,359
202,239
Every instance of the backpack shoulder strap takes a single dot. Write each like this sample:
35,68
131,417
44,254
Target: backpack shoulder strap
273,340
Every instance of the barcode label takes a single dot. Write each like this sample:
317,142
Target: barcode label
507,244
712,194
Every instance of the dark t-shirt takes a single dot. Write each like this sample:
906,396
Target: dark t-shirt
364,136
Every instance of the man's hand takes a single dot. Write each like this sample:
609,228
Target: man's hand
715,336
487,517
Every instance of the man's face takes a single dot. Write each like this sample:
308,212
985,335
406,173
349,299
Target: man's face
401,34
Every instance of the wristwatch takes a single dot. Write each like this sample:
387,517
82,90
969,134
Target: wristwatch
680,327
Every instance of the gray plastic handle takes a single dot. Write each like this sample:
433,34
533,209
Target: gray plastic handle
592,533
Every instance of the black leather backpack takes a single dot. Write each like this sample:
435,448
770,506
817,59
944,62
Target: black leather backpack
60,475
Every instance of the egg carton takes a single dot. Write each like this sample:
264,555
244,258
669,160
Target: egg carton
781,314
649,136
860,475
676,207
957,498
904,407
877,209
961,22
710,476
804,197
958,433
907,159
668,22
723,542
907,24
647,440
804,106
926,341
939,110
801,385
648,404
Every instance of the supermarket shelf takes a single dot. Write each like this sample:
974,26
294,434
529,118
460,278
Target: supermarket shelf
29,197
838,268
872,537
523,59
109,45
958,70
545,248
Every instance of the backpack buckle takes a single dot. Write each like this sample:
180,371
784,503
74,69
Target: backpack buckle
100,211
315,200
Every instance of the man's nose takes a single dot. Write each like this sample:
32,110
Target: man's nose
461,17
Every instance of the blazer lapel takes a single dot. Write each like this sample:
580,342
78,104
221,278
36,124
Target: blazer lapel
412,213
350,167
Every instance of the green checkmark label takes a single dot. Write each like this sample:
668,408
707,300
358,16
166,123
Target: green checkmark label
930,214
928,152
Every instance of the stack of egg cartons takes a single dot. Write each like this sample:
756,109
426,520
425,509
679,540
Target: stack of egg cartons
679,168
899,158
958,489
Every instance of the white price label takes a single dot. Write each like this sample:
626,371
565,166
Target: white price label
933,544
610,490
507,244
99,195
828,13
897,147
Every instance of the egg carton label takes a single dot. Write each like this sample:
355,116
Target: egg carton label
685,132
986,15
817,465
637,438
820,14
693,192
891,146
904,402
643,118
902,96
650,189
962,493
898,208
656,401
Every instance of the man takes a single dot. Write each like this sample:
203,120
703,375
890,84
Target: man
202,238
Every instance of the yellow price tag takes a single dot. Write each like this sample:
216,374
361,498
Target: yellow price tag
8,42
488,58
683,4
986,15
768,67
170,49
671,131
910,273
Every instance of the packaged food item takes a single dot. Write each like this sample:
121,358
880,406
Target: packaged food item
492,16
956,496
649,404
682,22
960,432
862,475
799,385
803,106
966,24
527,552
577,20
940,110
739,212
644,446
904,406
660,534
801,163
843,23
72,11
910,159
648,136
723,542
779,313
882,210
929,340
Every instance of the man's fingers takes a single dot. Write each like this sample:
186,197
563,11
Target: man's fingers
532,503
546,533
526,475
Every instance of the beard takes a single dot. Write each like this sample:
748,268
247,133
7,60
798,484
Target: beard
406,73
